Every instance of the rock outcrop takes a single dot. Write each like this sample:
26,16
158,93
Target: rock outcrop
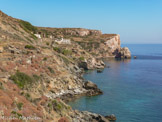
123,53
92,88
91,63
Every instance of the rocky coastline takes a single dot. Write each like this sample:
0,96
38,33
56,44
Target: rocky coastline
41,69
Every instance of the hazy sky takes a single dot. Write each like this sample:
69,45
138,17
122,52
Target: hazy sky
137,21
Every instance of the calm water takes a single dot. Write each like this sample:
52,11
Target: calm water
132,88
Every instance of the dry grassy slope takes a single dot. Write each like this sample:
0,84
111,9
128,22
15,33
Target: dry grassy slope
11,29
47,69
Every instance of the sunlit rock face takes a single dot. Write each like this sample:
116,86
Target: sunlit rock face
113,43
125,52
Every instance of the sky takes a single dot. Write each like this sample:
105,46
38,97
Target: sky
137,21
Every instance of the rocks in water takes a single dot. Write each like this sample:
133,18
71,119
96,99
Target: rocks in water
135,57
99,70
86,116
123,53
90,85
91,63
111,117
92,88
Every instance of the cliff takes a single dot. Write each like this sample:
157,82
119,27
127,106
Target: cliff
42,67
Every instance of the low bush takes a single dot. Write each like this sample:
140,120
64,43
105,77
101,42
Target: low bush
81,58
22,79
51,70
57,49
27,26
30,47
19,106
67,52
58,106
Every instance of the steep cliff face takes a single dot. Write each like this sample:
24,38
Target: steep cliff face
113,43
103,46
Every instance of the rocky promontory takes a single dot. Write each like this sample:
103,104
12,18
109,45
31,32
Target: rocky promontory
41,68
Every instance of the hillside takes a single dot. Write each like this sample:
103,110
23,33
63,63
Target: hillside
41,68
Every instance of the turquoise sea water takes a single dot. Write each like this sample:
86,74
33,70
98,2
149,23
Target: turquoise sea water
132,88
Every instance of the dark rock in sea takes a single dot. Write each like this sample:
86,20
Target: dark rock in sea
99,70
92,88
111,117
85,116
90,85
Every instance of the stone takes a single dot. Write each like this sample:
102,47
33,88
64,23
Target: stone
125,52
83,65
99,70
111,117
90,85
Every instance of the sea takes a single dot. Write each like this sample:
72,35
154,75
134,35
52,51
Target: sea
132,88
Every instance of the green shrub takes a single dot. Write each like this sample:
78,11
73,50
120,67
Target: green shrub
22,79
45,59
30,47
58,106
17,115
81,58
19,106
27,26
51,70
57,49
67,52
27,95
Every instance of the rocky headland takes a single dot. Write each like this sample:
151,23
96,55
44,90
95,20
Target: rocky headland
41,68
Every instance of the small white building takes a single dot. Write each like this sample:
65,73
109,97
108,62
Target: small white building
38,36
63,41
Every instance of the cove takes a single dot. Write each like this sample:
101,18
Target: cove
132,88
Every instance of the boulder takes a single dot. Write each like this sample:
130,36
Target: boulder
111,117
125,52
90,85
99,70
92,89
91,63
84,65
85,116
